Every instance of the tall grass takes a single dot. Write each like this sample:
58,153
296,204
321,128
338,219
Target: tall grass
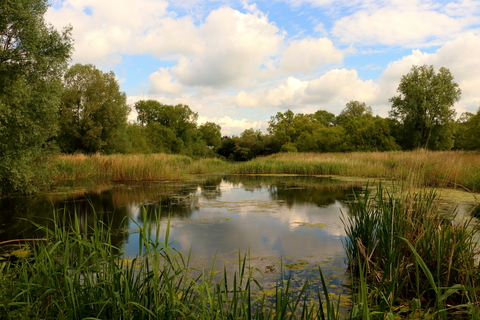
405,249
79,274
421,167
122,167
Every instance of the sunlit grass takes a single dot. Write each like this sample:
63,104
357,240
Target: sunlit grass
422,168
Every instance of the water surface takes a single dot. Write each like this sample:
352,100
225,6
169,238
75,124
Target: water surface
289,223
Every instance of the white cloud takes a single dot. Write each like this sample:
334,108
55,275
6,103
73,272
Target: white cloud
285,95
162,81
308,54
330,92
103,30
236,46
338,87
397,26
236,126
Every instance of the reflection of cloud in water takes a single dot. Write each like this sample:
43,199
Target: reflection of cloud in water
262,219
259,224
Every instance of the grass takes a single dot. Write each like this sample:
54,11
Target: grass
79,274
420,167
408,261
406,250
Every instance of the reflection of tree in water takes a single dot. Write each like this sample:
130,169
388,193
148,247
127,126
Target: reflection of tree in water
210,187
322,197
101,205
116,204
322,191
18,214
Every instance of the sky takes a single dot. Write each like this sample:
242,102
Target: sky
238,63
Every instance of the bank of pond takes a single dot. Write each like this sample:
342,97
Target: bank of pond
229,246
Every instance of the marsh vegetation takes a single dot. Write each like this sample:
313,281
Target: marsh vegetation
407,258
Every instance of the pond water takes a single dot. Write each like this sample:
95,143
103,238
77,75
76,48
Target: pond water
288,223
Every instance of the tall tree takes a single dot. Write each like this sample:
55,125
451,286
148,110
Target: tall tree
93,111
173,129
33,57
424,108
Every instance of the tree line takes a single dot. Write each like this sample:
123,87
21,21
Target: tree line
48,107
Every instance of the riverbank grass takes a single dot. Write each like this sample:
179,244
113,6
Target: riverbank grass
79,274
412,255
420,168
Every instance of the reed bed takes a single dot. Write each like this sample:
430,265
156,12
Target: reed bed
122,167
408,254
420,167
79,274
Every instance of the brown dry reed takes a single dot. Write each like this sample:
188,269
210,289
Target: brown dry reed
420,167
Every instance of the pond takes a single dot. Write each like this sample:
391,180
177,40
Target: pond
289,224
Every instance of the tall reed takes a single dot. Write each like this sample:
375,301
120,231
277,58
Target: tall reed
122,167
79,274
406,249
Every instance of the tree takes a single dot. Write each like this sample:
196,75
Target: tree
173,129
364,132
33,57
424,108
93,111
211,134
353,109
468,131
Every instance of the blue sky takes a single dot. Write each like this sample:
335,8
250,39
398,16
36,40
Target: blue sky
237,63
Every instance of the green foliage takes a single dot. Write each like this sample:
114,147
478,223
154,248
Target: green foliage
138,141
250,144
468,131
211,134
424,108
93,112
33,56
173,129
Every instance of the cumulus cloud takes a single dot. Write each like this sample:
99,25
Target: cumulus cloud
331,92
308,54
285,95
236,46
395,26
162,81
103,30
341,86
232,126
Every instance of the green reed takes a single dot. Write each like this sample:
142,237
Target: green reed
80,274
406,250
